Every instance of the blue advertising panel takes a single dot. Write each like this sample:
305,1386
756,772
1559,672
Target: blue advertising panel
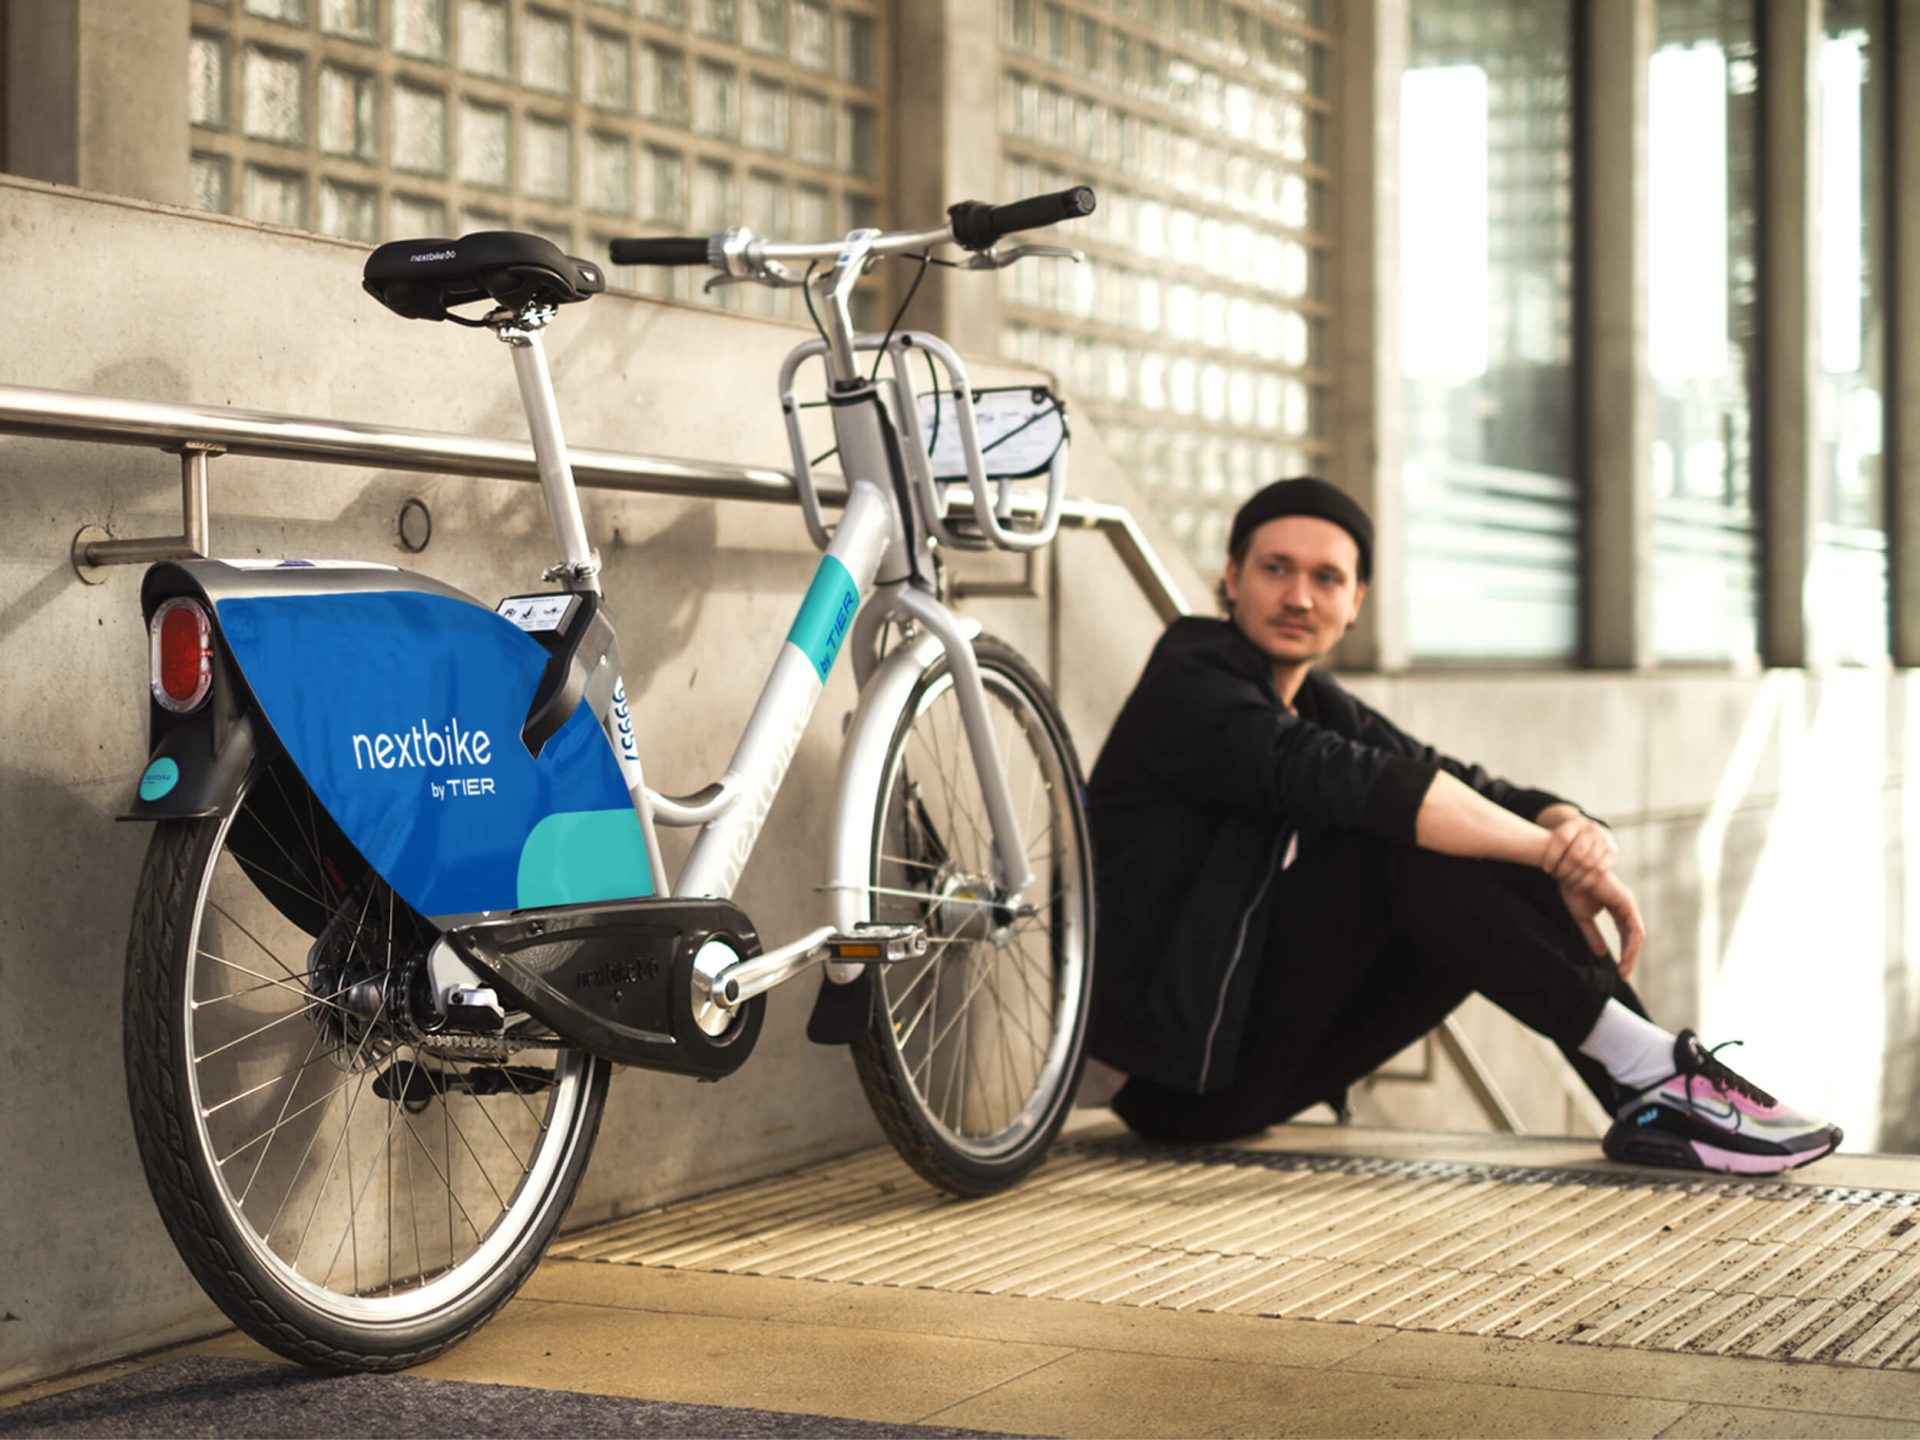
403,711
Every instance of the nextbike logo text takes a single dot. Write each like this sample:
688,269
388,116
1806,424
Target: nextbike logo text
422,746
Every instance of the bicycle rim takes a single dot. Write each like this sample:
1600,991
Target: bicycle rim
377,1180
985,1030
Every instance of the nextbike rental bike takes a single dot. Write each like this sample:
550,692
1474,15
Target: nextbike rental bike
405,903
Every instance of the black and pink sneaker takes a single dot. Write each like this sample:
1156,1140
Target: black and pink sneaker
1706,1117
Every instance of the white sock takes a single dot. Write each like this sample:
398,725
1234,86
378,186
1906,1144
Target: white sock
1635,1051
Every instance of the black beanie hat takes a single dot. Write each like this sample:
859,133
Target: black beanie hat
1304,495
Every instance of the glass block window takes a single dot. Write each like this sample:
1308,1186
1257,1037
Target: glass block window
413,216
546,52
349,210
1487,331
207,81
420,28
1195,334
609,174
1848,601
419,130
574,119
547,159
608,75
349,122
1703,333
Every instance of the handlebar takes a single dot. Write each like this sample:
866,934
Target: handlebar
977,226
972,224
660,250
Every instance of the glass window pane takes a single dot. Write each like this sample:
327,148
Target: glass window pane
293,12
813,129
274,105
716,19
355,19
277,197
546,159
609,74
472,220
1487,334
812,213
546,53
663,84
665,12
207,81
664,201
484,39
716,99
858,63
352,211
1848,599
859,132
419,130
420,28
485,144
812,35
766,115
767,26
767,204
1703,333
713,199
416,217
348,120
211,184
609,174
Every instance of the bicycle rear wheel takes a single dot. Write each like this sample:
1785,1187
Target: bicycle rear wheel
973,1053
355,1192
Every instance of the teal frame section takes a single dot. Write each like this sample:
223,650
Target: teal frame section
825,615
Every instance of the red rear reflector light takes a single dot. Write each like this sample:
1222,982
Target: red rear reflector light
182,655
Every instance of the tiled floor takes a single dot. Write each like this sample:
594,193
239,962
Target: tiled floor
1058,1367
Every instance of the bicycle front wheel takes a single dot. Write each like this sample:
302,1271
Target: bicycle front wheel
354,1191
973,1053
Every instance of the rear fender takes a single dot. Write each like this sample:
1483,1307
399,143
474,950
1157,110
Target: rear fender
400,703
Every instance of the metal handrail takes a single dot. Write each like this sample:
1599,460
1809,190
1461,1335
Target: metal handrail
197,432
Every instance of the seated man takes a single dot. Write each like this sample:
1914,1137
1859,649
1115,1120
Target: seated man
1291,890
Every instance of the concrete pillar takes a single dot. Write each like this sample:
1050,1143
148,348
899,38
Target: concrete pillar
1789,269
1618,400
946,88
1369,397
96,95
1903,327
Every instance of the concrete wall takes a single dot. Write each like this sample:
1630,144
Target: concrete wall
1763,817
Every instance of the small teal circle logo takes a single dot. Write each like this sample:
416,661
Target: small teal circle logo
162,775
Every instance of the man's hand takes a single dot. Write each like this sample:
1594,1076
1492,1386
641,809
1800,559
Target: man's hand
1606,893
1580,850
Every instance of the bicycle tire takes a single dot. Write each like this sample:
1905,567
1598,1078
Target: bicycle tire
193,1029
929,858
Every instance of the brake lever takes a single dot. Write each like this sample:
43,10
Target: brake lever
999,260
772,272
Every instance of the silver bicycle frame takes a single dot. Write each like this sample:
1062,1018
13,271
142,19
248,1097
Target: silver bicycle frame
862,582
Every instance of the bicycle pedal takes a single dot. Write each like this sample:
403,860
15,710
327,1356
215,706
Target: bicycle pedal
877,944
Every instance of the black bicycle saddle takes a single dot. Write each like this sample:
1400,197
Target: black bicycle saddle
423,279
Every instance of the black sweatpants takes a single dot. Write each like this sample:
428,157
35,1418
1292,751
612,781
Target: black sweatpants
1371,946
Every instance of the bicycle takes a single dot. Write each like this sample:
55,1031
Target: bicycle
404,905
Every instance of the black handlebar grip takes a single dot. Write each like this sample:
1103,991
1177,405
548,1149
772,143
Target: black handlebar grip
977,226
659,250
1039,210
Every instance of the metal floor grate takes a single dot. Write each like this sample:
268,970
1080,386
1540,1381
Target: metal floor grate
1596,1257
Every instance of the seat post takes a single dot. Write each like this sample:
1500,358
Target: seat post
578,567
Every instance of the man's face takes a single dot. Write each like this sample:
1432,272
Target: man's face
1298,589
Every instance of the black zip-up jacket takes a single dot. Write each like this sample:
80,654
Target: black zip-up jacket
1203,780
